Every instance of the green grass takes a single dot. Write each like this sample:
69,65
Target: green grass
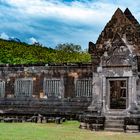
66,131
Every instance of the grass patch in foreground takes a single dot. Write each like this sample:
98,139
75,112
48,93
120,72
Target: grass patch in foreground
66,131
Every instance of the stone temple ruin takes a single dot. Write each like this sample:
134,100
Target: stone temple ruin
116,78
103,95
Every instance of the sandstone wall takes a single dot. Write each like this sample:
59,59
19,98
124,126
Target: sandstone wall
33,97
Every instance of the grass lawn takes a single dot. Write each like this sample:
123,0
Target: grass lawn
66,131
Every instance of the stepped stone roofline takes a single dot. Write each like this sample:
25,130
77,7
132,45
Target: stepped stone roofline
126,26
129,15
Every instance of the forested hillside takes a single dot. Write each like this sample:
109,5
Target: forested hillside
12,52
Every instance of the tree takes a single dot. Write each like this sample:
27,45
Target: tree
68,47
71,53
12,52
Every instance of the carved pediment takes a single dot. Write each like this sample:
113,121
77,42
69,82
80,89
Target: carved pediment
118,53
120,56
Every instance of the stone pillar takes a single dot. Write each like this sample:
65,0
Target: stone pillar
130,96
96,92
104,94
134,92
62,87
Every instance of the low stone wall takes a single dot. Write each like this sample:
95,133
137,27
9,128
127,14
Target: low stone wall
44,106
64,89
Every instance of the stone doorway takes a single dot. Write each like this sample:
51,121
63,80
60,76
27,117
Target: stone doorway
118,93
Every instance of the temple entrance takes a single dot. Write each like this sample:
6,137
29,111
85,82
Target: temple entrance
117,93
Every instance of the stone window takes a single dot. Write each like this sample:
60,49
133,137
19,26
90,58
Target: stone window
52,87
83,88
2,88
24,87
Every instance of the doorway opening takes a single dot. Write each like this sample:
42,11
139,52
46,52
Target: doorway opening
118,93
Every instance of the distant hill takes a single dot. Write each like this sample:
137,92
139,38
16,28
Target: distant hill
16,52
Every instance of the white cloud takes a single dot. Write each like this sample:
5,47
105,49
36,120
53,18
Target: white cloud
77,21
32,40
4,36
87,13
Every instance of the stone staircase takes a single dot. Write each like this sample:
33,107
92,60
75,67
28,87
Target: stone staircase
114,121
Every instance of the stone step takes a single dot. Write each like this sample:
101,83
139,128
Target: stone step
114,129
132,131
120,113
115,113
132,127
111,125
115,121
114,117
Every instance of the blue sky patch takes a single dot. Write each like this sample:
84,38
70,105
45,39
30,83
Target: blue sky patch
51,22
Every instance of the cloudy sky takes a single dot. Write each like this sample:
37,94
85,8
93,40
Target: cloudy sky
59,21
